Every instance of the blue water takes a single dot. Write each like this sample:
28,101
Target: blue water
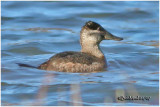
31,32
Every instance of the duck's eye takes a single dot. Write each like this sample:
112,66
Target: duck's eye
102,36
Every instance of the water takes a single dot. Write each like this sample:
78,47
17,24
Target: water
34,31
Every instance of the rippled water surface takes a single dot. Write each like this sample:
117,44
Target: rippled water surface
34,31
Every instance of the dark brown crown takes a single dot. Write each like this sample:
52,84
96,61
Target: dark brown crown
92,25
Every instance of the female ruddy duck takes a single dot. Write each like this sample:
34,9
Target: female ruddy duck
90,59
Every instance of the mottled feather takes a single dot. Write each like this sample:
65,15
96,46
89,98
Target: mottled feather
73,62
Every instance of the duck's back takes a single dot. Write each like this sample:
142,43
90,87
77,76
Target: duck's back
73,62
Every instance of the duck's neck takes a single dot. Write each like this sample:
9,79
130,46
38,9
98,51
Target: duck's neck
93,50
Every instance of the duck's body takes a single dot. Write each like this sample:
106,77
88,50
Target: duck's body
73,62
90,59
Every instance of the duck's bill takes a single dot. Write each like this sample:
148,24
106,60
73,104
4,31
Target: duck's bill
109,36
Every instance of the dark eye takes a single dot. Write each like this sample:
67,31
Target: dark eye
102,36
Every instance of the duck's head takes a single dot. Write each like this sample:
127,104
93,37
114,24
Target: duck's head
94,33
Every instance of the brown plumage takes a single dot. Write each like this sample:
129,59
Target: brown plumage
90,59
73,62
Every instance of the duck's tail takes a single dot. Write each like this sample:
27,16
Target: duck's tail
26,65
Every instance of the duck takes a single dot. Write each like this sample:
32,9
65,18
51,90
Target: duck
89,59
